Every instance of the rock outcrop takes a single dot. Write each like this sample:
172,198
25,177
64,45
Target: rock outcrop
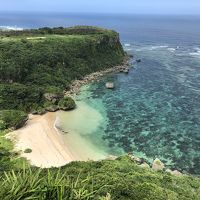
157,165
144,165
175,172
110,85
52,97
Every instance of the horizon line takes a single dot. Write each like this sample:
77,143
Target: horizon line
100,13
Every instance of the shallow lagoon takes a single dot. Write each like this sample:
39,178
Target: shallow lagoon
154,111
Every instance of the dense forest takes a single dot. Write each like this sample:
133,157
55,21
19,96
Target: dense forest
43,62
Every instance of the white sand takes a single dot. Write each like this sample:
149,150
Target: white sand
40,135
52,148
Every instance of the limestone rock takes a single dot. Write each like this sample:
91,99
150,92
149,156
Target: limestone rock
54,98
169,171
126,71
144,165
157,165
111,157
176,173
109,85
136,159
52,108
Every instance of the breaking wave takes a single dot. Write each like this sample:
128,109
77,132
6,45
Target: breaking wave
12,28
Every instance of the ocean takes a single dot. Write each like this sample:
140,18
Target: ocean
154,111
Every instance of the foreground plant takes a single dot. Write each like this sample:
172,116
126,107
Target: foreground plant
41,184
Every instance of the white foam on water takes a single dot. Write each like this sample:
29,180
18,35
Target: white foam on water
171,49
11,28
128,49
197,48
127,45
195,52
151,48
158,47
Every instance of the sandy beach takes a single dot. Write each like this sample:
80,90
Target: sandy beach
40,135
50,146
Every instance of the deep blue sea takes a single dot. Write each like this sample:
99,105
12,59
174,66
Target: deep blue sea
154,111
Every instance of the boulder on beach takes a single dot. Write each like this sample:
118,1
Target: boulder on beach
52,108
110,85
157,165
67,103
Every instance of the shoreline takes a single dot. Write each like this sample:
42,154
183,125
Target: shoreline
44,140
77,84
42,135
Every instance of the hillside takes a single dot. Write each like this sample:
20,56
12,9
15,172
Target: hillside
35,62
120,179
36,66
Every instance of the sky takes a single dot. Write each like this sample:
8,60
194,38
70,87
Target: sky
191,7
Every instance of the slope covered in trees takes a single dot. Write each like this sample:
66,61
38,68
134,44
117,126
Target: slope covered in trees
35,62
37,65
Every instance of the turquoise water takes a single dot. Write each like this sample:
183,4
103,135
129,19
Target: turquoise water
154,111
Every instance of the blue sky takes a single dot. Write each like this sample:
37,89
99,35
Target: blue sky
105,6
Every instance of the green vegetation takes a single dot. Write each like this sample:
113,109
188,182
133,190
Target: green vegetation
36,66
12,119
118,180
28,150
35,62
67,103
9,159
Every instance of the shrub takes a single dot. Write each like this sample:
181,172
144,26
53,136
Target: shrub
2,125
67,103
27,150
102,180
13,118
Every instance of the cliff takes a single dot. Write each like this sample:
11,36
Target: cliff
35,62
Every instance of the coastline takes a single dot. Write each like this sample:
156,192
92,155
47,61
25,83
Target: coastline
77,84
46,143
44,137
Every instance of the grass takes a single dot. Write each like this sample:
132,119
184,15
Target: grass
41,38
44,184
121,179
8,158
